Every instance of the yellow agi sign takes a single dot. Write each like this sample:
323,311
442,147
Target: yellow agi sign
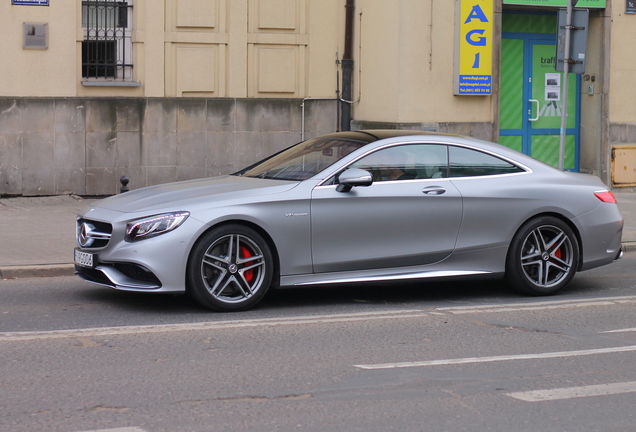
473,47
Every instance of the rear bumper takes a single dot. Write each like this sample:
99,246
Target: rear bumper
601,234
619,255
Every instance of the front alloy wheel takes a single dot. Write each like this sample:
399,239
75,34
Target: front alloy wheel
230,268
543,257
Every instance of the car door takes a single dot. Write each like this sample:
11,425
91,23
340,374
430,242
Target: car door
496,198
403,220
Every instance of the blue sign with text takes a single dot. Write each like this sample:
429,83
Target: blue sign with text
30,2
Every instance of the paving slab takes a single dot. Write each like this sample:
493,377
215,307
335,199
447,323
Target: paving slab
37,235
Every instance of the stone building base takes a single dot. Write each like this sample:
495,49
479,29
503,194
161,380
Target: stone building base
482,131
54,146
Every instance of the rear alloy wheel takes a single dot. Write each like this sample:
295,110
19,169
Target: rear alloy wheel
230,268
543,257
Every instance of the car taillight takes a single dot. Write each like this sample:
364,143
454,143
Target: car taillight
606,196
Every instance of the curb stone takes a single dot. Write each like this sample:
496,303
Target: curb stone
48,270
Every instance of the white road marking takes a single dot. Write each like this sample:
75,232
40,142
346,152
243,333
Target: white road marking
470,360
124,429
575,392
544,305
217,325
312,319
621,330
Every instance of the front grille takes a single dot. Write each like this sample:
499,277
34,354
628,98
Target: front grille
93,234
126,276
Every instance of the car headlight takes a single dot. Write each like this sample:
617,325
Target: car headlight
154,225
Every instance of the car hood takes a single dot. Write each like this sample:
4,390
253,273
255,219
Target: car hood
183,195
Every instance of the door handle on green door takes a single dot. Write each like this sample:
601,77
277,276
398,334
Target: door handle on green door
530,110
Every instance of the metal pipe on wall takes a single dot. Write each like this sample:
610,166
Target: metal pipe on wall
347,67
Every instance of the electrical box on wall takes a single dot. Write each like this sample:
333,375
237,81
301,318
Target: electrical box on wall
35,35
624,165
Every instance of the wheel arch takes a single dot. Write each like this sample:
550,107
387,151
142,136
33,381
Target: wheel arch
262,232
563,219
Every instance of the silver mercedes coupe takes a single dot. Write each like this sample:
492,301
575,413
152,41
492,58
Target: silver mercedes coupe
364,206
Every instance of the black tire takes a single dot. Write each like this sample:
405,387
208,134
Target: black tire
543,257
230,268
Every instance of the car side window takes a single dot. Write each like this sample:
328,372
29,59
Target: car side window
406,162
472,163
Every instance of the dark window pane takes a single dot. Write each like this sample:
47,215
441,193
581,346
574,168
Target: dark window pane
106,49
406,162
470,163
99,59
122,14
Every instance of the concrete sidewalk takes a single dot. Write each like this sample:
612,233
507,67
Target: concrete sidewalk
37,234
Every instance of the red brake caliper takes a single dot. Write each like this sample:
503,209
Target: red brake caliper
249,275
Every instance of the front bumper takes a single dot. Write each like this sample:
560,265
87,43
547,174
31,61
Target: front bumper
123,276
156,264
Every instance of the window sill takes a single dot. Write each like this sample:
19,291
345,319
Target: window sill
111,84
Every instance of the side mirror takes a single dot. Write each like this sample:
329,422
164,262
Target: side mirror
353,177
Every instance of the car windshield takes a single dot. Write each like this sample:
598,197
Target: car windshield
303,160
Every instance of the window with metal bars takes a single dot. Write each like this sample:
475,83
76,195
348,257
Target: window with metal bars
107,44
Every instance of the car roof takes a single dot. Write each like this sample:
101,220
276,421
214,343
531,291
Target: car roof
371,135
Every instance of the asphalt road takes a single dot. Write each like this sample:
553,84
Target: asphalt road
463,356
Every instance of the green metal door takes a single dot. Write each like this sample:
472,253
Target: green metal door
530,92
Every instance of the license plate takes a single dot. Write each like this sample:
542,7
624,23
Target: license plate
84,259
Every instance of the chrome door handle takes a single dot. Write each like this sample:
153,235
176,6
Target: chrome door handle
434,190
530,110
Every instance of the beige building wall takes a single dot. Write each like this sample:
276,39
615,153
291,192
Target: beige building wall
404,67
251,48
281,48
185,48
622,91
38,72
594,83
619,150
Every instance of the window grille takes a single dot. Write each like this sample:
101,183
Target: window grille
107,44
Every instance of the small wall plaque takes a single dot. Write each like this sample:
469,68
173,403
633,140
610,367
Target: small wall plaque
35,35
630,6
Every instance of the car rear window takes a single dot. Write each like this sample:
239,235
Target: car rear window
466,162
